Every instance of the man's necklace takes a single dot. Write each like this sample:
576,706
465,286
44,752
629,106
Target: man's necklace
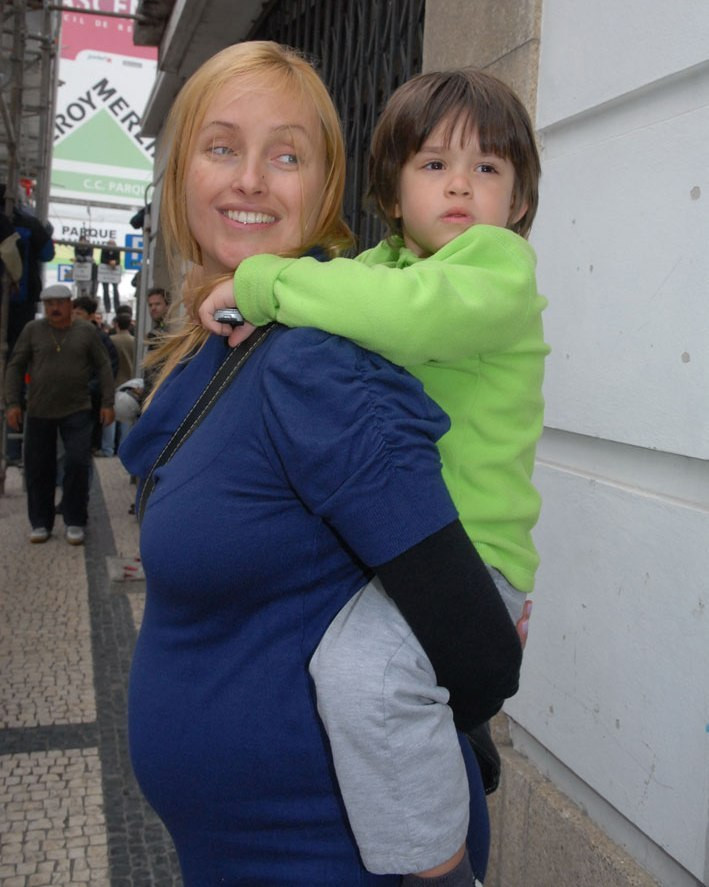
58,345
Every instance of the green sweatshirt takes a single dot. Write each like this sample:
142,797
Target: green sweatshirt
467,322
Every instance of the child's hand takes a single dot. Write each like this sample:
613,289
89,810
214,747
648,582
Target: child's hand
222,296
239,333
523,622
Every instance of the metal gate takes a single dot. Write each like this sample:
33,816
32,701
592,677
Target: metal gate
363,49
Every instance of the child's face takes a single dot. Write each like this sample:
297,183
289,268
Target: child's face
450,185
255,180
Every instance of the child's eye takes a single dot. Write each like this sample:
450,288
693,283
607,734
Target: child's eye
486,168
434,164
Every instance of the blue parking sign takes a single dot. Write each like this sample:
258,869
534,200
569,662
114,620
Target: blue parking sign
133,261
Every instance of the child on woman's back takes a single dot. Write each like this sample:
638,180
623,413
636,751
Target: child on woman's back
451,295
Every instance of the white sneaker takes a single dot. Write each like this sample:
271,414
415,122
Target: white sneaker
39,534
75,535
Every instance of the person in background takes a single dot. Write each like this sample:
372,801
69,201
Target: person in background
35,246
99,320
10,259
125,308
158,300
103,436
110,256
337,477
83,255
61,353
124,343
26,248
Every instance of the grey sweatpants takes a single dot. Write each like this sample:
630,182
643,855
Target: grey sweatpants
394,745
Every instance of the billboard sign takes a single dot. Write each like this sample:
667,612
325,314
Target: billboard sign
99,155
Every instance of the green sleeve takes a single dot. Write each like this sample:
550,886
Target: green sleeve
471,297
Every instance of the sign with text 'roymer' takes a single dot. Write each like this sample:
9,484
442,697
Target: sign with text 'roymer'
99,155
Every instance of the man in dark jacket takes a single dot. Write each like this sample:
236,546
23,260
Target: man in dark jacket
34,246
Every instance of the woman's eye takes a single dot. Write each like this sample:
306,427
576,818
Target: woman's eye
288,159
219,150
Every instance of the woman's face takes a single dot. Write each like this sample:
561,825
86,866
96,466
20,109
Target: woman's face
256,178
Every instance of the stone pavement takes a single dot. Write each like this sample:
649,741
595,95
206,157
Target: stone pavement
70,810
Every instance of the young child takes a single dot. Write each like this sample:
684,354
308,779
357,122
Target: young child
451,295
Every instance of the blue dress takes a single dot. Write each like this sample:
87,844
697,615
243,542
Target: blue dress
320,458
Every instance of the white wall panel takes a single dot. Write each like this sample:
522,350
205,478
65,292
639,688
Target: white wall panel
593,52
615,674
615,685
627,269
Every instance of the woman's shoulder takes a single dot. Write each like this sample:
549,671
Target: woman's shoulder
328,357
349,429
321,371
305,341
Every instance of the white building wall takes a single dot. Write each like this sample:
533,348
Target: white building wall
616,681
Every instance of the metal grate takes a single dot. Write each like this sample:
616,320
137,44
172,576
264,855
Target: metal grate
363,49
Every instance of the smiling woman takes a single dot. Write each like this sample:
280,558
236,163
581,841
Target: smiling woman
256,180
257,165
207,121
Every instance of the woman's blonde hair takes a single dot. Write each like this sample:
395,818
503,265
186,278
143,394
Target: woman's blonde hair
256,65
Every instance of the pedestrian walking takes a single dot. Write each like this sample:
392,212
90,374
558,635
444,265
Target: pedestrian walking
60,353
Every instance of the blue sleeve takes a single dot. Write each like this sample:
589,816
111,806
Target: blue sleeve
46,253
356,438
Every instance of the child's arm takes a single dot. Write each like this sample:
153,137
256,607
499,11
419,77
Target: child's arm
382,705
473,296
449,600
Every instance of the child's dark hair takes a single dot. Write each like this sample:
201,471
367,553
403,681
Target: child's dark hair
484,103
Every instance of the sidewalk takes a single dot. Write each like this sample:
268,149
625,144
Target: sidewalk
70,811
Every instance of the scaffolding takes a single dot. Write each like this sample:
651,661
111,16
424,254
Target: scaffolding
29,38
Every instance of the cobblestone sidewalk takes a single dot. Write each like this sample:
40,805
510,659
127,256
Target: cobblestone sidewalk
70,810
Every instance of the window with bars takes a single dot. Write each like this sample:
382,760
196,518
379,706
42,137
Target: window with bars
363,50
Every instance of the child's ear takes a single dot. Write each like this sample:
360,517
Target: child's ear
516,213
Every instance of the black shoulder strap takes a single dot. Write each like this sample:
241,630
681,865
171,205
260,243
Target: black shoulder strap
204,403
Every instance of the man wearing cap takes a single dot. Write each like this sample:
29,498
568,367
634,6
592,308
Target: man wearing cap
60,353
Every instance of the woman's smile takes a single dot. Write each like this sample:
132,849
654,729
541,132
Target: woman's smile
248,217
